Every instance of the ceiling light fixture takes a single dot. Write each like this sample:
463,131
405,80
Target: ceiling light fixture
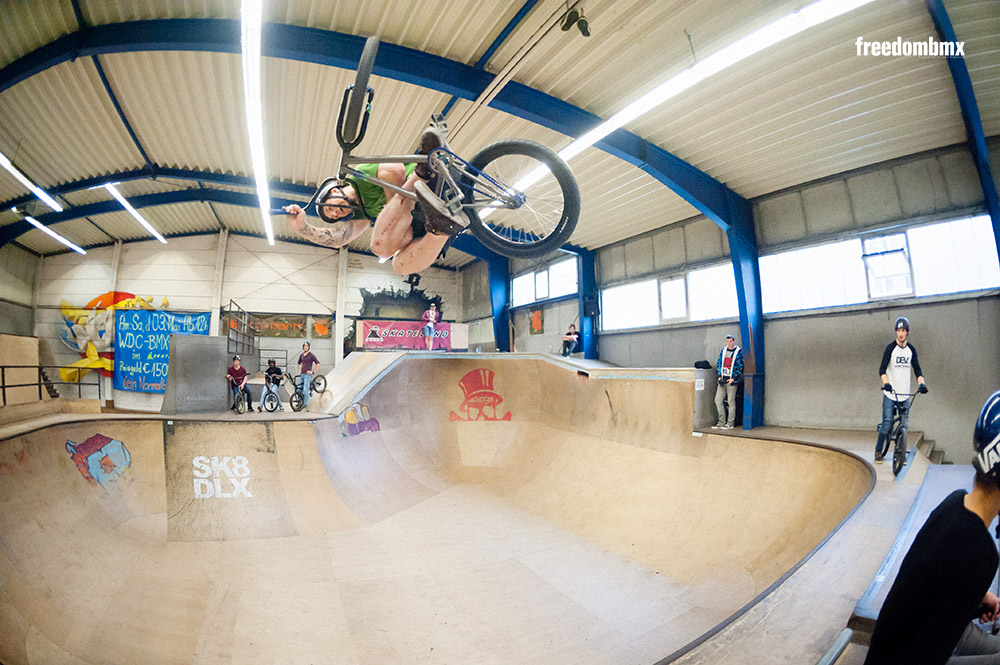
762,38
35,189
41,227
251,20
135,213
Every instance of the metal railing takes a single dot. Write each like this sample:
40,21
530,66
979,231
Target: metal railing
280,358
42,381
240,330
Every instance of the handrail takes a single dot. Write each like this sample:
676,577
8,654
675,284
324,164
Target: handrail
837,648
40,381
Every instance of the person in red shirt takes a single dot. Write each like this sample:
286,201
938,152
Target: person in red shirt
307,366
237,377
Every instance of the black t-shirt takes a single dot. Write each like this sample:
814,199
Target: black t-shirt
273,374
938,590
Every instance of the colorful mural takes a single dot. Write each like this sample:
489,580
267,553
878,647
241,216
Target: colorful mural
480,401
357,419
100,458
90,331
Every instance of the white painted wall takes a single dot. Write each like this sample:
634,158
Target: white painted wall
286,278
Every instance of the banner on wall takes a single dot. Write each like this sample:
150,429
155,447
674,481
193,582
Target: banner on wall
322,327
409,336
142,346
537,323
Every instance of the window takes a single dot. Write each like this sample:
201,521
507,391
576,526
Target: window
541,285
824,276
630,306
562,278
673,299
712,293
954,256
559,279
523,290
887,261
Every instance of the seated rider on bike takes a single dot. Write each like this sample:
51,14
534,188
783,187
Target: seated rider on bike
238,381
412,240
272,379
894,371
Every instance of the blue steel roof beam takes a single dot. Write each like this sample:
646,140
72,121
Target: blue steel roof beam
10,232
82,25
975,134
497,43
175,174
708,195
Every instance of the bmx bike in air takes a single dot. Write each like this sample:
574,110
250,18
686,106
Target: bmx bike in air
298,398
897,434
521,198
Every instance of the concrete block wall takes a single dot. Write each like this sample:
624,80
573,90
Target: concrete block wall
822,366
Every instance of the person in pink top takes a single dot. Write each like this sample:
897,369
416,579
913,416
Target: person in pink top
431,316
307,366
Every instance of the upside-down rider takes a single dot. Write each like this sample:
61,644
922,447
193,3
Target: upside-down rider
413,238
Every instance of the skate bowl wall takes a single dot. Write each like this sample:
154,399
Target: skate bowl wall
591,526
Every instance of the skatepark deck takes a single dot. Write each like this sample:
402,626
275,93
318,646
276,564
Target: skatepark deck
489,510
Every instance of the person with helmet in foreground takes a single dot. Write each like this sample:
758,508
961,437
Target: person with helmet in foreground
272,379
943,583
898,359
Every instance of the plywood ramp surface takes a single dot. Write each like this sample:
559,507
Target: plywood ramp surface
489,511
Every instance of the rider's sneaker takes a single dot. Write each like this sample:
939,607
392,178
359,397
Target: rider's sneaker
433,138
437,218
879,457
259,409
719,426
728,427
281,408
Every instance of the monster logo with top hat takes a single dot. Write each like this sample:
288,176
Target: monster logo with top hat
480,401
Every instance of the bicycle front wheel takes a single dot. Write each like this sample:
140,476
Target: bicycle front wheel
356,100
899,454
297,401
521,198
319,384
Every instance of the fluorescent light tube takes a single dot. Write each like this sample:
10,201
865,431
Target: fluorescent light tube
35,189
251,20
44,229
135,213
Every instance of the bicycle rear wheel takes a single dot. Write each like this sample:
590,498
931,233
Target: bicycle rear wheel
899,453
356,100
521,198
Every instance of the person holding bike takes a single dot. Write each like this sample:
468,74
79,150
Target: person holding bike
307,363
942,586
412,238
237,377
899,358
272,379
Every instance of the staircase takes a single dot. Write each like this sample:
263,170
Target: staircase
49,387
926,446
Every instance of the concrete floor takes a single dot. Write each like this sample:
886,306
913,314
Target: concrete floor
593,526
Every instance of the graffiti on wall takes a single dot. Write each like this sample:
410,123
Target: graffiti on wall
90,331
481,401
100,458
357,419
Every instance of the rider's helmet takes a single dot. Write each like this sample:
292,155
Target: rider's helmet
334,189
986,439
236,357
271,361
902,322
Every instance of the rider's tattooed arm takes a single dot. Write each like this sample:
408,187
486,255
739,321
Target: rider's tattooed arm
336,236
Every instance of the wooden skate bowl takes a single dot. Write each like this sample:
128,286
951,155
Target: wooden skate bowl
592,527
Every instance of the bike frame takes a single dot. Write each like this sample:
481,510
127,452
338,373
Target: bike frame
898,409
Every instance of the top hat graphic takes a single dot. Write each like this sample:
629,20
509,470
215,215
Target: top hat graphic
477,386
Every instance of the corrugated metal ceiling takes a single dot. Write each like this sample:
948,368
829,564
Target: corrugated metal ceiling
805,109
